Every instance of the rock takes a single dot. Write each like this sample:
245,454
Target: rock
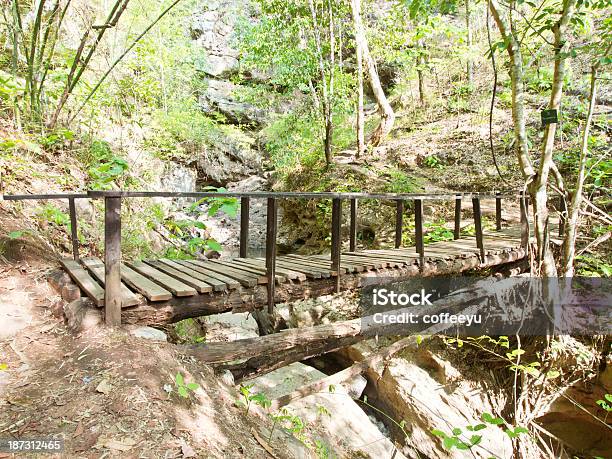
222,96
428,393
82,315
71,292
347,427
231,156
212,29
230,327
149,333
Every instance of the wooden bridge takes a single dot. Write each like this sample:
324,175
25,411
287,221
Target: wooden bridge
163,290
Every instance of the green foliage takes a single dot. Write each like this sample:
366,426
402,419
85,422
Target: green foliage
52,214
183,389
401,182
606,404
249,397
593,266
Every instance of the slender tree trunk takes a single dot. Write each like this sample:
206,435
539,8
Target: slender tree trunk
326,99
356,8
468,27
571,225
420,62
539,187
387,116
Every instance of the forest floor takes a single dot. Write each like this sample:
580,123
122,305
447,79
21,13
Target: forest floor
103,391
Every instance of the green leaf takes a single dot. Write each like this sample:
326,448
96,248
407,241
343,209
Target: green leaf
475,439
419,339
182,391
449,442
179,379
608,397
552,374
488,418
193,386
438,433
520,430
15,234
214,245
456,431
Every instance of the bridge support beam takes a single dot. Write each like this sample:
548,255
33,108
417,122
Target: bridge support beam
353,227
478,227
245,204
112,261
418,230
74,234
271,227
498,212
399,223
336,239
457,233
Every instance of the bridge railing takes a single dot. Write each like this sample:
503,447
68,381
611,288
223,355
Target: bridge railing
112,225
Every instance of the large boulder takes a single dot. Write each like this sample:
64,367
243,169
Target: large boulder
334,417
222,97
213,30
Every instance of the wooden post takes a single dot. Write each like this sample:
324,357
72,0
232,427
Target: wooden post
457,233
353,229
399,222
245,203
271,226
418,230
73,229
336,241
524,221
112,260
562,215
478,227
498,212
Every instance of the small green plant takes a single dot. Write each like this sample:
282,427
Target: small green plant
52,214
182,388
17,234
432,161
606,404
248,397
467,439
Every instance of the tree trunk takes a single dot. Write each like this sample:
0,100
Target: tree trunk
571,225
387,116
420,73
267,353
539,186
356,8
468,27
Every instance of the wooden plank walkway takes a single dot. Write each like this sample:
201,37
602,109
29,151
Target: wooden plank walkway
232,284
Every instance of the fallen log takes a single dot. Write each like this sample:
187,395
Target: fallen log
263,354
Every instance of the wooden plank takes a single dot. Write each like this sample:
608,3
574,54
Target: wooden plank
261,263
87,283
231,263
349,266
308,272
175,286
222,273
211,276
387,258
374,262
242,276
96,267
324,271
144,286
320,264
218,285
358,265
192,281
